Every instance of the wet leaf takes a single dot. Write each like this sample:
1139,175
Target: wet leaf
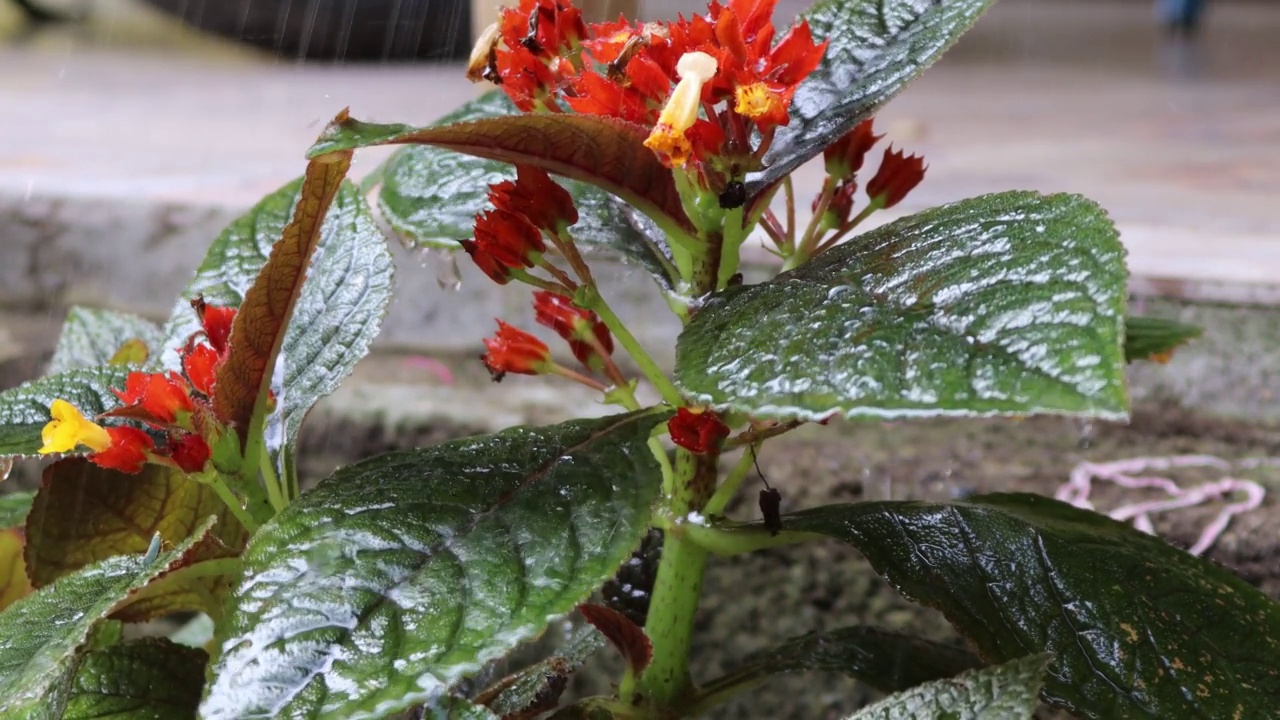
14,584
875,49
84,513
605,152
1138,628
14,508
530,687
92,338
1155,339
257,334
1010,303
886,661
42,635
1002,692
24,410
341,306
150,679
447,557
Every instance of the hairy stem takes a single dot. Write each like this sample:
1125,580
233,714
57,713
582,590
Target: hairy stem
589,297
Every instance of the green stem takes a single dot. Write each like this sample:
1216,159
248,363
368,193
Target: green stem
731,251
233,504
589,297
805,246
735,539
666,683
848,227
720,500
270,480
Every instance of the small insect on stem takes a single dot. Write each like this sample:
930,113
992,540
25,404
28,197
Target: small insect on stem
770,500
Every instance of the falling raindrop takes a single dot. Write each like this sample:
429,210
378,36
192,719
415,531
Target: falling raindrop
6,467
448,275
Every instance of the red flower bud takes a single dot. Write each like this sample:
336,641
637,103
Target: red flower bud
697,430
216,322
127,451
513,350
574,324
190,453
840,207
844,156
896,177
533,194
504,240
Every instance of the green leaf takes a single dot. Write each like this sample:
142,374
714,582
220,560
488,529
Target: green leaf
1005,304
1002,692
91,338
150,679
343,300
1149,338
885,660
605,152
84,513
14,584
41,635
1139,629
874,50
400,575
24,410
14,508
542,682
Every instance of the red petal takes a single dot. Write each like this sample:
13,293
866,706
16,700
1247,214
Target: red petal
189,453
200,365
697,432
127,451
515,351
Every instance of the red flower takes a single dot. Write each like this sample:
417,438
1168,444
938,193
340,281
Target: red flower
537,197
844,156
162,399
895,178
841,205
189,453
216,322
127,452
580,327
504,240
513,350
697,431
200,363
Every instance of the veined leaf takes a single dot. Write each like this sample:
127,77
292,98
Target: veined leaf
24,410
1001,692
151,679
91,338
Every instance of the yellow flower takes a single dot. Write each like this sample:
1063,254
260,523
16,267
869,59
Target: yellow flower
681,111
69,428
757,101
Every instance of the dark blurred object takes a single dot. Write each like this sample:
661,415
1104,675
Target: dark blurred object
37,13
377,30
1180,16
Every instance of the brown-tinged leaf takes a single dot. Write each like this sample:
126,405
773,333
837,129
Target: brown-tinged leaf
625,635
133,351
84,513
13,571
259,328
537,688
605,152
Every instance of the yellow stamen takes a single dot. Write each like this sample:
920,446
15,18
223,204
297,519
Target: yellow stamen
69,428
681,111
756,100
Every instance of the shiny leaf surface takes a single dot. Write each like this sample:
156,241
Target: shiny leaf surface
1138,628
1149,338
1002,692
886,661
875,49
42,634
607,153
24,410
1010,303
340,310
400,575
91,338
258,332
150,679
84,513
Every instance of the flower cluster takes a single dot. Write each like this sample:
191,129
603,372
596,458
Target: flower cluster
176,407
508,238
513,350
701,84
